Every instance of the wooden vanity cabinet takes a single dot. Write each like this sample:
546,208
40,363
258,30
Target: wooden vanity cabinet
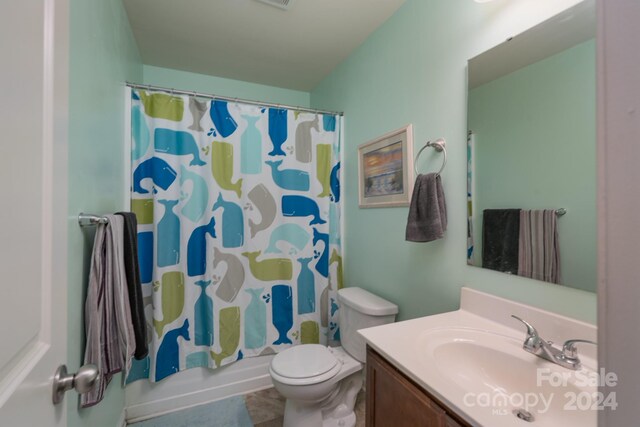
394,400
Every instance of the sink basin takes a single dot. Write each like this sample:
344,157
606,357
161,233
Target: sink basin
471,360
492,375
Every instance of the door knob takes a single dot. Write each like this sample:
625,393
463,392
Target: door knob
82,381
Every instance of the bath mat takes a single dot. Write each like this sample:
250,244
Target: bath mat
231,412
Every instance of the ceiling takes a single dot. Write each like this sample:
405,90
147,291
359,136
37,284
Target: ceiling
251,41
574,25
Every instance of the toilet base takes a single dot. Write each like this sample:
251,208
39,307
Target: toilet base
335,411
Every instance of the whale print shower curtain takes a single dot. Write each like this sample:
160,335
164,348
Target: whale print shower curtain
238,209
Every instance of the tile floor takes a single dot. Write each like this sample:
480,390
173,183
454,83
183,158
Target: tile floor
266,408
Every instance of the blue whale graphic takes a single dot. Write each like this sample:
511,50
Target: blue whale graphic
168,357
177,143
334,225
335,182
168,243
282,312
197,248
322,266
255,320
197,204
293,234
203,313
329,123
277,130
289,179
306,288
301,206
224,123
145,256
232,223
140,133
251,147
158,170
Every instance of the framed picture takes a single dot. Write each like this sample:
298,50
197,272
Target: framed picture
385,170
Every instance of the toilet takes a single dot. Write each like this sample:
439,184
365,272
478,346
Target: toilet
321,383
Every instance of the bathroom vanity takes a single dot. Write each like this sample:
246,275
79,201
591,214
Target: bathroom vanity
468,368
393,399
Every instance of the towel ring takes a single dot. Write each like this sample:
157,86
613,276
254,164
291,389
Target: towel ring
439,145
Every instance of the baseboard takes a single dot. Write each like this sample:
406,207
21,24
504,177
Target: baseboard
122,422
144,411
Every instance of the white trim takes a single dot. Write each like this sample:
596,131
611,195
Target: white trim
128,144
147,410
122,421
618,122
46,332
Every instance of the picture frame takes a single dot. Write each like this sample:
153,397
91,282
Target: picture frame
385,170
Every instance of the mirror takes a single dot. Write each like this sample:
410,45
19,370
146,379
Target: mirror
532,152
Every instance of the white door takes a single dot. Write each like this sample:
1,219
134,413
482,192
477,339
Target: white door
33,127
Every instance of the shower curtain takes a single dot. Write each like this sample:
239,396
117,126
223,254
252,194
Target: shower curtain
238,209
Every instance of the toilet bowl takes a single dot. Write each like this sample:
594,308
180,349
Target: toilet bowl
310,377
321,383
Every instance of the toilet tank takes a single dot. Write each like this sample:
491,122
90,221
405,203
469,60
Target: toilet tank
360,309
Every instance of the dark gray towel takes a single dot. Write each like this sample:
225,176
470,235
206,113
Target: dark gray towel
132,271
500,239
428,211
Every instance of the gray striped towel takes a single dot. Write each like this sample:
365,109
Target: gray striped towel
107,314
539,252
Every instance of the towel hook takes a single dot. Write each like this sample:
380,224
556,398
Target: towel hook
440,146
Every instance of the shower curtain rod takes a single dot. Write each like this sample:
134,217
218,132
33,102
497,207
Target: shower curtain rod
226,98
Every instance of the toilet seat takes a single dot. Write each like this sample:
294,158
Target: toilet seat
305,365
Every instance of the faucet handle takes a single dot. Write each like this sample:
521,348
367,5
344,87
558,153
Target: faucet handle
531,331
533,342
569,350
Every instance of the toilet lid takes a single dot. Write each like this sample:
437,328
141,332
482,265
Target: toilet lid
304,361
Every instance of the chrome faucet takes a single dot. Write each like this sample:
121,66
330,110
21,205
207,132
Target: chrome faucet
566,357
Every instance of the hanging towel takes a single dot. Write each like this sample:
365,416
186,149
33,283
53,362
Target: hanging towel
539,253
134,287
427,219
110,341
500,231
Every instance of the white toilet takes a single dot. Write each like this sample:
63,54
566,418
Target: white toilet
321,383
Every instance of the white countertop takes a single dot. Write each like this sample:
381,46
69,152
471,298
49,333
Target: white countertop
403,344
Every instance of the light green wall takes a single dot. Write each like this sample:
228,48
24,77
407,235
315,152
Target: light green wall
536,148
185,80
413,70
103,56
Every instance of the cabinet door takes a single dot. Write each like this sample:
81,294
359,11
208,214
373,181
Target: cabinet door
450,422
394,401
